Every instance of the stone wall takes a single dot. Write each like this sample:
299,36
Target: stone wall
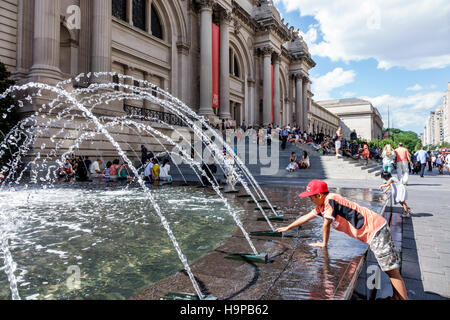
8,33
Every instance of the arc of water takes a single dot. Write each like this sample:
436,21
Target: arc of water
124,156
168,152
152,131
238,177
149,129
248,175
199,132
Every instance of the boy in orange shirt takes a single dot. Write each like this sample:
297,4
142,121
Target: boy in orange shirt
357,222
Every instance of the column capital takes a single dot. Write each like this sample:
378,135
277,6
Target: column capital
298,75
267,51
226,16
276,58
183,48
206,4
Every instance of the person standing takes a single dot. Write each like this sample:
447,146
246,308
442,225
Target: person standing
284,137
430,161
337,143
403,159
422,156
143,154
388,156
447,162
244,126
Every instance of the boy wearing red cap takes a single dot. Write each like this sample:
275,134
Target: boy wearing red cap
357,222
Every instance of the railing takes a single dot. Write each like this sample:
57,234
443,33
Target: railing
154,115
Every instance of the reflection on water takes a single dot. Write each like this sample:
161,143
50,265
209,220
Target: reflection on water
110,233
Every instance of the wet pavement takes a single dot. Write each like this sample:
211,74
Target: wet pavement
295,269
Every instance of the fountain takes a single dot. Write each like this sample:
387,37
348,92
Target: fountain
80,104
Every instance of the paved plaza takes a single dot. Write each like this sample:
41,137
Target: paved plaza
426,236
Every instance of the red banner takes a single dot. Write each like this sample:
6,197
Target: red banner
271,88
215,65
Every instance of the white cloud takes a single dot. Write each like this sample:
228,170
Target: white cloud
413,34
348,94
335,79
407,113
417,87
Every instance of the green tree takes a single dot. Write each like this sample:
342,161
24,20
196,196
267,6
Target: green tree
409,139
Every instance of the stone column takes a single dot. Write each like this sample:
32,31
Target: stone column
252,104
101,37
148,16
305,103
46,41
206,58
225,20
287,113
267,102
299,101
276,91
290,109
129,11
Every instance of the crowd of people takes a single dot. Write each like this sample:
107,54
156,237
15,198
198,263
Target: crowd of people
81,168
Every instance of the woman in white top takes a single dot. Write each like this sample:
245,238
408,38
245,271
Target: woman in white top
388,156
164,172
304,164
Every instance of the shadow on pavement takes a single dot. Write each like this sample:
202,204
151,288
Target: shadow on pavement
410,269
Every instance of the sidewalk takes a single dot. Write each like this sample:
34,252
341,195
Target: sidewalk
426,236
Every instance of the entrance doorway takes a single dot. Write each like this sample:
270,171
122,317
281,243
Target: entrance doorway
236,112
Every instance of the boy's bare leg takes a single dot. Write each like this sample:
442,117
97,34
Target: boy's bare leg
398,285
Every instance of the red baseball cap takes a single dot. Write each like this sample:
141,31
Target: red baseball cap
313,188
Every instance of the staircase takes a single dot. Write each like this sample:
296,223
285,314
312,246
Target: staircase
322,166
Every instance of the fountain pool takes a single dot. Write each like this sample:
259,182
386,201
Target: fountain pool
110,233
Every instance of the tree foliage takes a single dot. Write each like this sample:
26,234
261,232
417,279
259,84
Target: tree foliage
409,139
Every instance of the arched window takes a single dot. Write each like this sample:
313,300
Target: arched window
235,69
156,24
119,9
139,9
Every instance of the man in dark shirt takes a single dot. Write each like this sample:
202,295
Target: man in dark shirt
143,154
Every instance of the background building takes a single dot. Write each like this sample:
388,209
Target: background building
170,44
356,114
435,127
322,120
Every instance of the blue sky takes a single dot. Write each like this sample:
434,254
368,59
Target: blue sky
394,53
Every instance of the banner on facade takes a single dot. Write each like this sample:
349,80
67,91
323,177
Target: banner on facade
215,64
